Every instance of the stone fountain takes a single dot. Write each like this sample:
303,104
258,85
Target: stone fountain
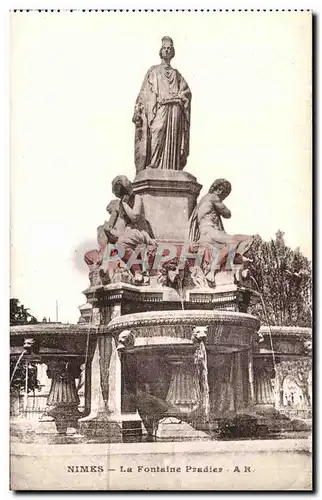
66,350
168,287
165,337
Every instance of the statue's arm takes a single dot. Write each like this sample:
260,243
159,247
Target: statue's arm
137,115
135,212
138,109
109,229
112,220
184,90
221,208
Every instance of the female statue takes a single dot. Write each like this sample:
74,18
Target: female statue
162,116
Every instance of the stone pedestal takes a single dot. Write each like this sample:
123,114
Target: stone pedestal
63,400
169,197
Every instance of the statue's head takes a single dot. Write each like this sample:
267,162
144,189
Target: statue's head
221,187
126,339
31,346
199,333
121,186
167,51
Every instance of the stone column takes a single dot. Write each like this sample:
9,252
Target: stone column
63,400
100,421
108,416
131,421
97,403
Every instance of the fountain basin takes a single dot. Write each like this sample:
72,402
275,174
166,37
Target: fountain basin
227,331
67,351
196,361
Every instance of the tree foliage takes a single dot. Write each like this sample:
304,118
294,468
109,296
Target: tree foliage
19,315
18,382
284,278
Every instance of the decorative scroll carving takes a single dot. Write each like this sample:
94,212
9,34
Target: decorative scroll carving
184,318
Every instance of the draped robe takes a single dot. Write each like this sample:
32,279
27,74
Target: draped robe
162,128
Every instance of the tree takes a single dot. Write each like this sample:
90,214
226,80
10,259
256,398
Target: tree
283,277
18,383
19,315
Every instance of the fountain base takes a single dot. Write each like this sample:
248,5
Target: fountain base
101,427
173,429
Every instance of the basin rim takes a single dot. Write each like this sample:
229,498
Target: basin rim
190,317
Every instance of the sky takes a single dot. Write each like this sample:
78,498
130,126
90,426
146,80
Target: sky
74,80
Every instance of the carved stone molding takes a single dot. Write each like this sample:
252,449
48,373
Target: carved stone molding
54,330
299,370
188,317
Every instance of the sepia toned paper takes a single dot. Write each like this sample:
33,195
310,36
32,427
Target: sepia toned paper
149,380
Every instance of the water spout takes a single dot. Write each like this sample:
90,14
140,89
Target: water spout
16,366
26,388
267,321
202,364
180,291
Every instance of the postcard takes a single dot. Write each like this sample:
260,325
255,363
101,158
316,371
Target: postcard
161,250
